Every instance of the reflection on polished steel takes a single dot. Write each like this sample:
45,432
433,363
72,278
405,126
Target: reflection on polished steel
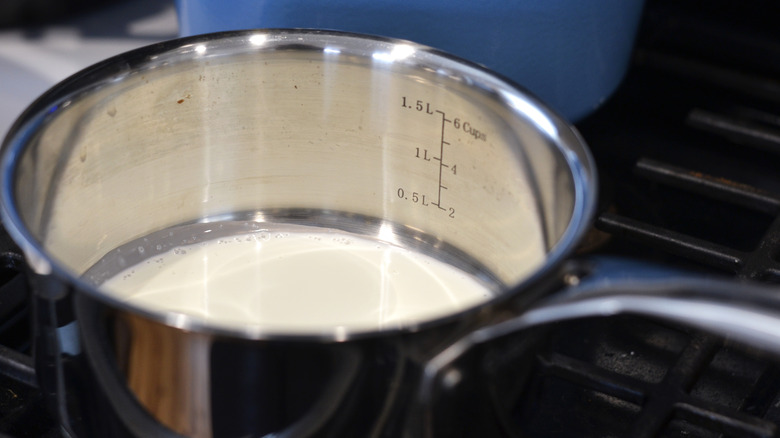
179,376
427,149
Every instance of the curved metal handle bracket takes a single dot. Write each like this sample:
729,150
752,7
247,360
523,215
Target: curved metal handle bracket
614,287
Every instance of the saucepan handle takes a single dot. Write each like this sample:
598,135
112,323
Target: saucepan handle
742,312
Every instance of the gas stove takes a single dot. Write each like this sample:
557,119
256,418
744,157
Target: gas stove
687,153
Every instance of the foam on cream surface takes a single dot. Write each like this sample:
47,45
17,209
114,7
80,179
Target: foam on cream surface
298,282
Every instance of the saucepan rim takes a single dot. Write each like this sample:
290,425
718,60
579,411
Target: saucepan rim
565,138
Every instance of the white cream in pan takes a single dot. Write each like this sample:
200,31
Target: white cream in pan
298,281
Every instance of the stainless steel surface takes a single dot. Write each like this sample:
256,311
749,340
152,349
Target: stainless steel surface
435,152
254,121
600,289
621,287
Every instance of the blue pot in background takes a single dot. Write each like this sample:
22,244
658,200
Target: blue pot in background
570,53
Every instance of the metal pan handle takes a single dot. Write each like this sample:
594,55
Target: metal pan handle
742,312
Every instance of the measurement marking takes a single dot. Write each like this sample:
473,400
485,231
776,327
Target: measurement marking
441,156
445,165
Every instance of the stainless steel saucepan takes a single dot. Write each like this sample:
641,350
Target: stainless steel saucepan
251,134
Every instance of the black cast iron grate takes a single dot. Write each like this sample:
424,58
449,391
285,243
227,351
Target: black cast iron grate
22,410
699,127
689,153
630,377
